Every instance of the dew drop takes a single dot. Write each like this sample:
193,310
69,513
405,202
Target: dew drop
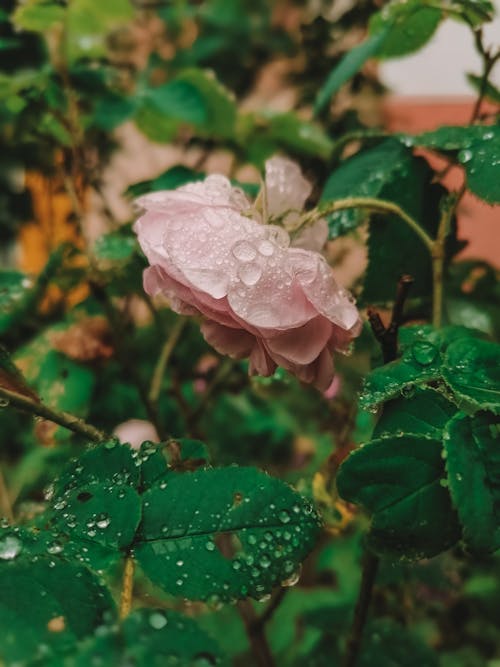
284,516
244,251
249,274
10,548
157,621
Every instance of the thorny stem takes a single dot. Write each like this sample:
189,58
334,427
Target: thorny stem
127,587
371,204
5,501
256,635
164,358
65,419
388,338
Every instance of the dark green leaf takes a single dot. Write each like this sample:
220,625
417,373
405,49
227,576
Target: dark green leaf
477,148
363,175
353,60
472,370
15,288
388,644
46,606
400,481
472,448
150,637
424,413
95,500
224,533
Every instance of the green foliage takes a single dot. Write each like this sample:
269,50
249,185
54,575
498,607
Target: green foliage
207,79
165,636
477,148
39,620
236,533
473,467
400,480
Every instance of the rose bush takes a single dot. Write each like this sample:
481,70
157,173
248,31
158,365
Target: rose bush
261,295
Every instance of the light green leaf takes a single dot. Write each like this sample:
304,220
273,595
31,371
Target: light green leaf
223,534
472,448
400,481
38,15
178,100
169,180
348,66
410,24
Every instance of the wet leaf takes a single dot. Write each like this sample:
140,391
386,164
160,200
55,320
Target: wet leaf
472,448
399,480
472,370
150,637
46,606
223,534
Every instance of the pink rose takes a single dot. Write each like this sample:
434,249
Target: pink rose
261,296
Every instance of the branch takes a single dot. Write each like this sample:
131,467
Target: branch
127,587
370,570
371,204
388,337
164,358
62,418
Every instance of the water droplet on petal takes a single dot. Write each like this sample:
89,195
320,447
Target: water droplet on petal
249,274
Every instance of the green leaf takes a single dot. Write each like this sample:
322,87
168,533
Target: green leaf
119,260
38,15
95,500
178,100
218,101
150,637
385,643
424,413
46,606
348,66
472,370
363,175
410,25
416,193
263,133
419,363
112,110
477,148
223,534
400,481
472,447
155,124
169,180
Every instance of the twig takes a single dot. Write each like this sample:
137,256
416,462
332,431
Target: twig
388,337
256,635
5,501
127,587
370,569
489,59
62,418
271,608
164,358
371,204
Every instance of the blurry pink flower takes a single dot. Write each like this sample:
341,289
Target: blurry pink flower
260,296
135,432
